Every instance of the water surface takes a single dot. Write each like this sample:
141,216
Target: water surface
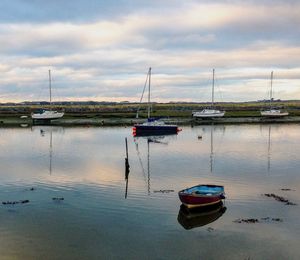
98,219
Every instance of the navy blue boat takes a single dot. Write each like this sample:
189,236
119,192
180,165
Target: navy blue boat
152,126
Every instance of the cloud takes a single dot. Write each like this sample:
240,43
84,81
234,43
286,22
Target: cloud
189,26
105,55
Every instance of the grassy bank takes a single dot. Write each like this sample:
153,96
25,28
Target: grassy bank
125,114
126,122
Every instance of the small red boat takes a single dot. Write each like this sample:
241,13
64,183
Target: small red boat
201,195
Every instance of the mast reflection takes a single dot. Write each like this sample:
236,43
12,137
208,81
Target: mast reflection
161,139
269,148
213,128
44,131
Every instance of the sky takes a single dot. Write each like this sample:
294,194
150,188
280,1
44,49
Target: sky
101,50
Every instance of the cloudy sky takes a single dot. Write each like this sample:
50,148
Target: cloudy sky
101,50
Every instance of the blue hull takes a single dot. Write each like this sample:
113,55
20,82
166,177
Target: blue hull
154,130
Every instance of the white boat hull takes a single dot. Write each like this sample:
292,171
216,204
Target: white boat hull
273,113
208,113
47,115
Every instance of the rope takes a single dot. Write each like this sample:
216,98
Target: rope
140,160
137,112
219,91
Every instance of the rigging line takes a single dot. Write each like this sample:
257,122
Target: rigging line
206,85
141,99
55,91
42,93
218,87
140,160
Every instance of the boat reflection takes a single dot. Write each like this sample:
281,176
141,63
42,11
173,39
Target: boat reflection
218,129
269,148
198,217
269,144
154,133
44,131
154,139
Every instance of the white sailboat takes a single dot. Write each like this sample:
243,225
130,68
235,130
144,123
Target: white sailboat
45,114
273,112
209,112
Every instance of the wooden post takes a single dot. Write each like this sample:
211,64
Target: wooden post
126,168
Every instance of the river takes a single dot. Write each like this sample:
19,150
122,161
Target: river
81,207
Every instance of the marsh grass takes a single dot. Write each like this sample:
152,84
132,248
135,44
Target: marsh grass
128,110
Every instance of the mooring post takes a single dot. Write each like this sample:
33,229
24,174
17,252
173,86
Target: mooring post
126,161
126,168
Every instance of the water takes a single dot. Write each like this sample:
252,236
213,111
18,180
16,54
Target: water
85,166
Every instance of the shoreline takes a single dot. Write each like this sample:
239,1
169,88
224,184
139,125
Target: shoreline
182,121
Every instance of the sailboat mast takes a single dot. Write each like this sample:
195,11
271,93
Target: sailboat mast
50,93
213,89
149,92
271,89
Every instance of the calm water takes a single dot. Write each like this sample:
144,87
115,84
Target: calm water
85,166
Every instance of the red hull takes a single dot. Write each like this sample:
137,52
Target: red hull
201,195
191,200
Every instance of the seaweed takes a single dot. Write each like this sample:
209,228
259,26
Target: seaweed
15,202
58,199
279,198
255,220
163,191
248,220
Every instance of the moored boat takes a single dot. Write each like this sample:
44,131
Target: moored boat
201,195
273,112
208,113
45,114
211,112
152,126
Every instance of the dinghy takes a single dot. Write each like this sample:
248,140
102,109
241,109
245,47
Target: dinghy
201,195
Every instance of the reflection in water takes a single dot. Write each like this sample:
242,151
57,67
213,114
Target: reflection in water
269,145
44,131
213,128
211,147
126,168
269,149
198,217
147,179
50,153
88,171
161,139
